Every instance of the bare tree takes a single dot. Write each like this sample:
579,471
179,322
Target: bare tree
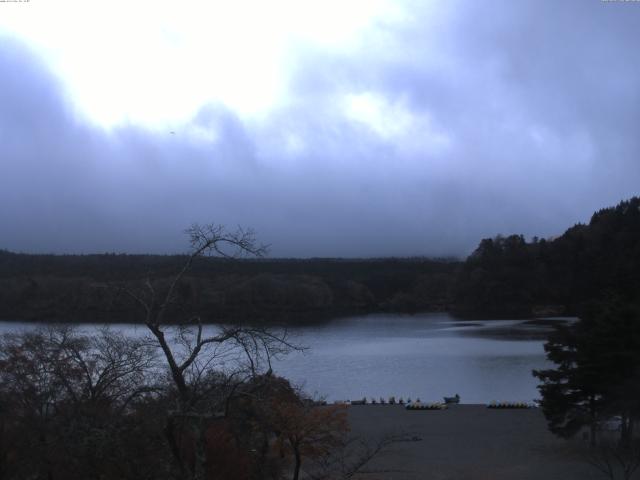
353,457
614,459
192,352
65,397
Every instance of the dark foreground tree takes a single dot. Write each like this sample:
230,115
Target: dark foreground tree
79,406
308,431
571,392
206,365
597,374
616,460
71,406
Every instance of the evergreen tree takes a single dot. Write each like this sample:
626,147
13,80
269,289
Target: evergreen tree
571,398
597,372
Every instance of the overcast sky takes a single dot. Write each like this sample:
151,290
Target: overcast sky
333,128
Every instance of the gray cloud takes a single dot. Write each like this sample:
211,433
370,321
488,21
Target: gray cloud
524,121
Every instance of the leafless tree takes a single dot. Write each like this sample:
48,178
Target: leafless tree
64,398
61,364
192,352
353,458
614,459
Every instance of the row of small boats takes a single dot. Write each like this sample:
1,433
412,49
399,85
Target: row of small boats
418,405
443,406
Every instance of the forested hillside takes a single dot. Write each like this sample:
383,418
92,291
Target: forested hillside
508,276
87,287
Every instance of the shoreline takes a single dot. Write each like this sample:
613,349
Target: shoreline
316,318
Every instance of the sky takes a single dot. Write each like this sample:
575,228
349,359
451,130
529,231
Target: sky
333,128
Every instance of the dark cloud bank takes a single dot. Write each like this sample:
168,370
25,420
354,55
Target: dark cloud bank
538,103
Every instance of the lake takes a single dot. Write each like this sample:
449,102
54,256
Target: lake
426,356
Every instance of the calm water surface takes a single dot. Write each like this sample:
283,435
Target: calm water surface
426,356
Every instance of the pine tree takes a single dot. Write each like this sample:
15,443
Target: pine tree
597,372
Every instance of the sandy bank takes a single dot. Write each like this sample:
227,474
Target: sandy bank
469,442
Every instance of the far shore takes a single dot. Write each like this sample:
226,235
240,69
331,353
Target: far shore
286,319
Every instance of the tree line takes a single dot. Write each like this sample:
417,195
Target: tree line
512,277
75,288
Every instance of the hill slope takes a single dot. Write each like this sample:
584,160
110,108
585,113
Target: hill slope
507,276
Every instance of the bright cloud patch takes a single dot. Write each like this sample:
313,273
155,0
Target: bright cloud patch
156,63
